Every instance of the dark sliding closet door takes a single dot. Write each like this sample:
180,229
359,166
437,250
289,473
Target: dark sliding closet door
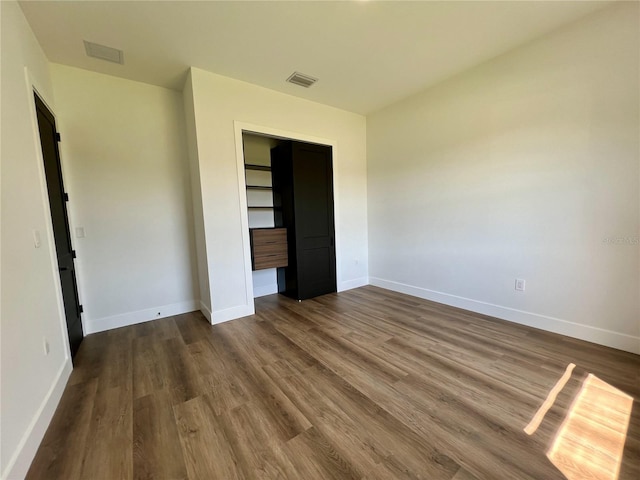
303,199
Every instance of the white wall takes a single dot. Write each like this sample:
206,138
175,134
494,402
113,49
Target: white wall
520,168
125,157
31,309
219,101
196,193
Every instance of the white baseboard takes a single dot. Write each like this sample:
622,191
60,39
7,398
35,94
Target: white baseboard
232,313
264,290
608,338
19,464
206,311
355,283
131,318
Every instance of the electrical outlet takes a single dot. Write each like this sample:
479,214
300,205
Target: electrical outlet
45,344
520,284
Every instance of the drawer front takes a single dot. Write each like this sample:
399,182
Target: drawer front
269,248
269,236
270,261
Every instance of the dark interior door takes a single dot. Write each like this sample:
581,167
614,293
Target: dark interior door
302,176
60,220
314,224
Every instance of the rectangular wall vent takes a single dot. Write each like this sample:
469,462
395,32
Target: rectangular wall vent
104,53
301,79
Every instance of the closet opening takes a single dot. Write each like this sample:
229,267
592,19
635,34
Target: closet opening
290,211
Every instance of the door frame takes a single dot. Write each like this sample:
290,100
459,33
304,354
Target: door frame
243,127
33,87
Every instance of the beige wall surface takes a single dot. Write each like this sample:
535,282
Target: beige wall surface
31,310
125,153
218,103
524,167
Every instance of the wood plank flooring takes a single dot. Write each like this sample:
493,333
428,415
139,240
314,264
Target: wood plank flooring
366,384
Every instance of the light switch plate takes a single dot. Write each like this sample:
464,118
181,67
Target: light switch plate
36,239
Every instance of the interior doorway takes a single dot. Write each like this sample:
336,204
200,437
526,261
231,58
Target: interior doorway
290,211
59,217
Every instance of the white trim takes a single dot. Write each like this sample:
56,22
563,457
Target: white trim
244,213
220,316
265,290
95,325
355,283
239,128
588,333
206,311
19,464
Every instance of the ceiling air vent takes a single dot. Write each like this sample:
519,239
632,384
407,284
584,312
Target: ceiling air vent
104,53
301,79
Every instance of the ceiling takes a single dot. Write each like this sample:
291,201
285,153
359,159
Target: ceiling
367,54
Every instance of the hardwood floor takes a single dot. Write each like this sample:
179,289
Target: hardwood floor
365,384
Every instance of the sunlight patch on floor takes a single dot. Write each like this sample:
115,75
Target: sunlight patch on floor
590,442
549,401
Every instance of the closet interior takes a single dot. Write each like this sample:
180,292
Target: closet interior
289,187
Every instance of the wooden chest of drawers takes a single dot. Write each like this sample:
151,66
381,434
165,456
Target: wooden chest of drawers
268,248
